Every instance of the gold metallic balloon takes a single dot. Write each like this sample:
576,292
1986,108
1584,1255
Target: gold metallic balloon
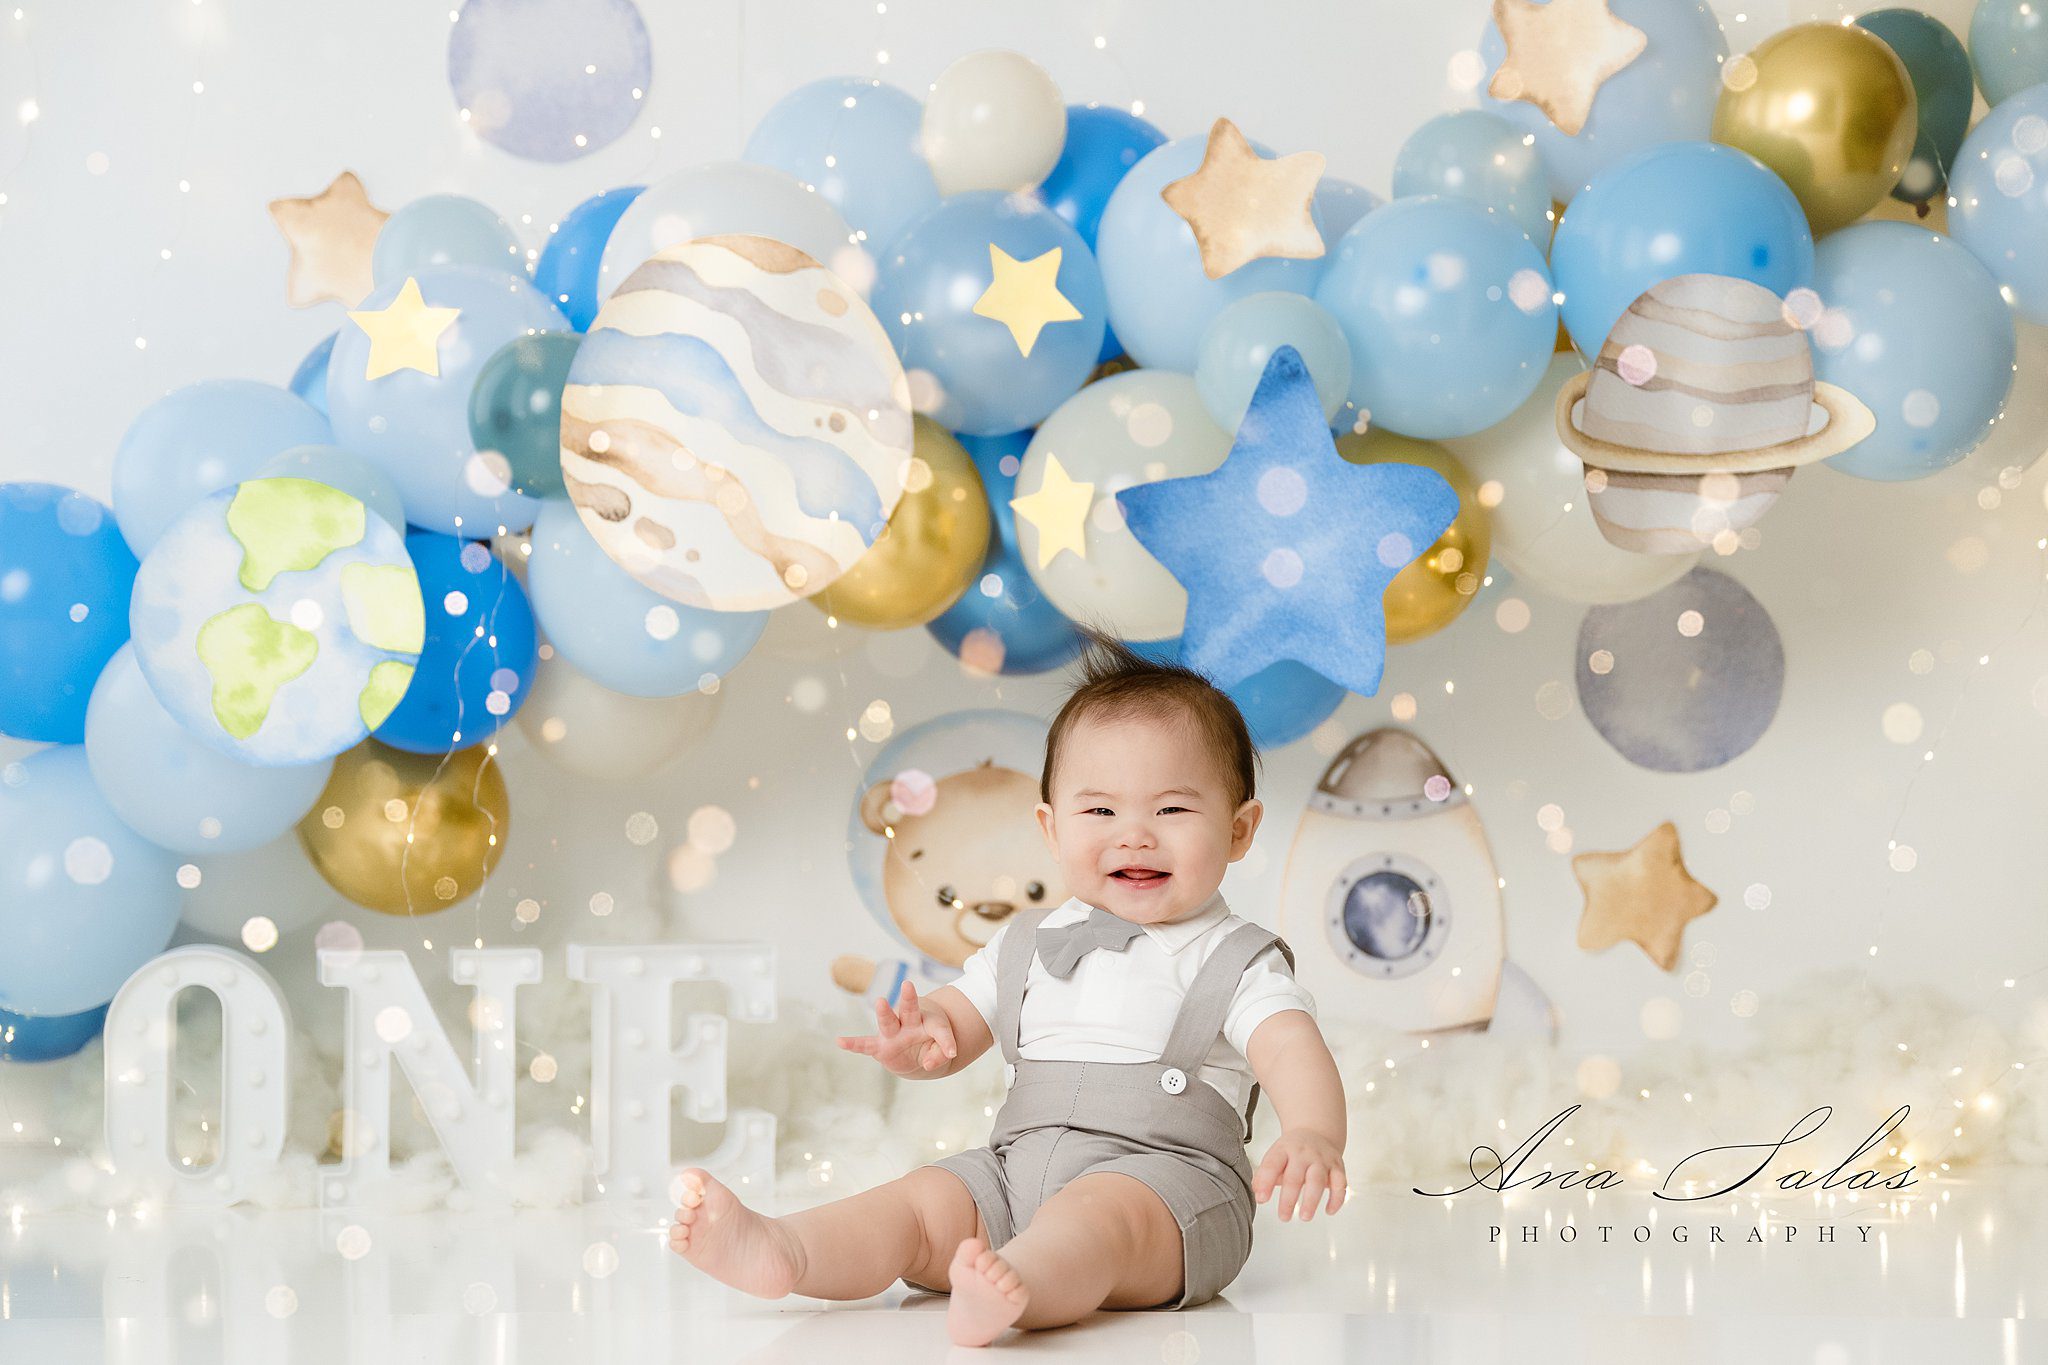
1830,108
408,834
1428,594
931,551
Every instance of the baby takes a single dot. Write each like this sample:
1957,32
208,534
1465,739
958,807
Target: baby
1138,1022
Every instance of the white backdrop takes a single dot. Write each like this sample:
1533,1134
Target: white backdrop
124,163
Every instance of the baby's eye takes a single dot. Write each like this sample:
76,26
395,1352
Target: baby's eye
1173,808
1104,809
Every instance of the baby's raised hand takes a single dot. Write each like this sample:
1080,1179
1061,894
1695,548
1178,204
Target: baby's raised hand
913,1038
1301,1165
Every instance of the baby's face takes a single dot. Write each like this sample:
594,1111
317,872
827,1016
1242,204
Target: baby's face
1134,796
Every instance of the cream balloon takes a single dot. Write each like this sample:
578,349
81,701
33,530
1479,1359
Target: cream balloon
993,121
273,882
1543,527
1137,427
593,731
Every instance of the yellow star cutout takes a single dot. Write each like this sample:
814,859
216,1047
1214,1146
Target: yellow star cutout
331,235
1058,511
1559,54
1024,295
405,336
1644,895
1243,207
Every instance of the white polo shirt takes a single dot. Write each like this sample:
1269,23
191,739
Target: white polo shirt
1120,1006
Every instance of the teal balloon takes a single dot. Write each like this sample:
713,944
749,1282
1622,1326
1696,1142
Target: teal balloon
174,790
203,437
1474,155
2008,47
66,576
516,408
443,230
1940,69
343,469
856,141
1242,338
1927,343
84,900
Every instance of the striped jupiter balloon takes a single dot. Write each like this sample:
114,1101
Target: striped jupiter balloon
736,427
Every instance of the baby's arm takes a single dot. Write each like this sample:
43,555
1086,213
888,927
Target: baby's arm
921,1039
1296,1071
971,1036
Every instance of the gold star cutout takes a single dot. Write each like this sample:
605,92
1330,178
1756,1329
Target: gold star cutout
405,336
1243,207
1644,895
1058,511
1559,54
1024,295
330,235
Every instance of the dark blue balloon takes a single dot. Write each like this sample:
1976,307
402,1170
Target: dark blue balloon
480,652
567,269
1279,703
1102,144
45,1038
1033,634
309,381
66,575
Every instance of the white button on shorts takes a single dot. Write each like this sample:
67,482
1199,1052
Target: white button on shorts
1173,1080
1009,1073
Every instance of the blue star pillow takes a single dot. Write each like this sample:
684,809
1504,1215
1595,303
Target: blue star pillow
1287,547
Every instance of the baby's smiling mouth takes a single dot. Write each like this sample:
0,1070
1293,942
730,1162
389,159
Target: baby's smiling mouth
1140,876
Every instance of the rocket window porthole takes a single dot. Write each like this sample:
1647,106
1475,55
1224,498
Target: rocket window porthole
1386,915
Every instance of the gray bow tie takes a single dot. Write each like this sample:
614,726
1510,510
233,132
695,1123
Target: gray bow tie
1062,948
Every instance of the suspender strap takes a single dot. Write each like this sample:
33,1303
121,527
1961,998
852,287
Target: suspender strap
1013,966
1207,1003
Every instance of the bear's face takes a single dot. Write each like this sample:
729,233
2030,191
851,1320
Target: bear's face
957,873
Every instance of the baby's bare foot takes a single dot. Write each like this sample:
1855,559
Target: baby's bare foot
987,1295
731,1243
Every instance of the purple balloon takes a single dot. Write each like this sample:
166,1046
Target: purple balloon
549,80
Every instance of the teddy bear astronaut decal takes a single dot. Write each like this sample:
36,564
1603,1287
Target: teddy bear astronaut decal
945,847
1392,903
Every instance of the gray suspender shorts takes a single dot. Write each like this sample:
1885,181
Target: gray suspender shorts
1152,1120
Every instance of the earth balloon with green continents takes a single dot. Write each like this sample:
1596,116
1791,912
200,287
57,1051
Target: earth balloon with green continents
279,620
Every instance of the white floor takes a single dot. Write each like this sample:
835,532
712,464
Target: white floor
1958,1269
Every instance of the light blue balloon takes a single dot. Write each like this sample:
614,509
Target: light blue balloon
1448,312
1999,192
443,230
856,140
1242,338
1160,299
1681,209
2008,47
343,469
1667,94
1339,204
1928,345
309,381
1474,155
66,577
415,426
199,438
567,269
624,635
176,791
938,269
84,900
31,1038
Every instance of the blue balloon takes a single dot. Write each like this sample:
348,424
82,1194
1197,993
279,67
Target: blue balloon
65,579
480,653
856,141
174,789
1999,192
84,900
202,437
930,282
1280,703
343,469
46,1038
1102,145
1242,338
1681,209
309,381
1339,204
567,269
443,230
1448,311
2008,47
1003,623
415,426
1160,297
1667,94
1474,155
1926,342
622,634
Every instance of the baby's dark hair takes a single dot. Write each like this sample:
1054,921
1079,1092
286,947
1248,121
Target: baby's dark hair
1118,682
